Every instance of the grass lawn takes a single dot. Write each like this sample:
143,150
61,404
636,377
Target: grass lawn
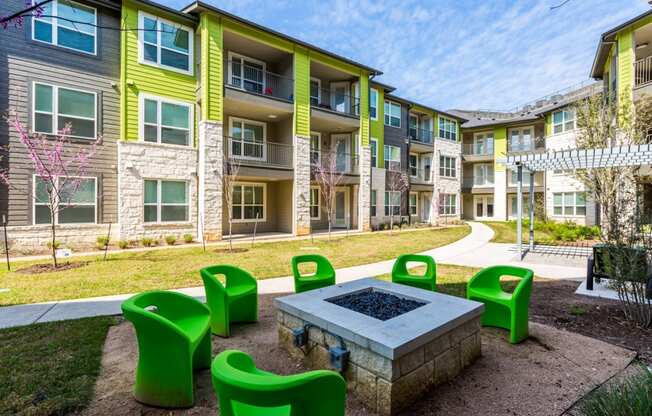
505,232
177,268
50,368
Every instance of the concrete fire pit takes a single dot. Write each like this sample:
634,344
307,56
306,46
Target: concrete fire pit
388,363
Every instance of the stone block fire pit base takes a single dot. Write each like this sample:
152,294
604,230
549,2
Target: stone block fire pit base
388,377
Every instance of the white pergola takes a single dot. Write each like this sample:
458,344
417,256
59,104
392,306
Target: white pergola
569,159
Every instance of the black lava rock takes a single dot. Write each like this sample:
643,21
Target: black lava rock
379,305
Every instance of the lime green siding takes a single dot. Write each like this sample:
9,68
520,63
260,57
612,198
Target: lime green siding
377,127
500,147
301,93
212,68
140,78
364,110
548,125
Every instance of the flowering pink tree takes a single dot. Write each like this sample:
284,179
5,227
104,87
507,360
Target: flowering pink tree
17,19
57,166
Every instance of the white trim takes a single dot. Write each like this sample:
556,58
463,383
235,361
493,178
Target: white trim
318,217
347,142
56,219
376,104
54,22
563,112
442,207
159,204
55,110
416,195
333,86
318,91
238,56
486,183
243,220
141,40
387,199
564,206
416,167
443,122
485,202
318,134
159,106
385,164
388,114
241,141
347,208
372,139
449,169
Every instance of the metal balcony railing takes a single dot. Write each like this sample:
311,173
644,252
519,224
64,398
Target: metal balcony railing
254,80
643,71
393,166
526,145
264,154
335,101
478,181
345,163
421,175
421,135
477,149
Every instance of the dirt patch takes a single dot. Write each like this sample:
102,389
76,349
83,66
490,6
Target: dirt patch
49,268
554,303
231,251
550,377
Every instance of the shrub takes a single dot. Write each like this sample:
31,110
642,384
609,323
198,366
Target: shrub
632,397
170,240
102,242
188,238
148,242
123,244
57,244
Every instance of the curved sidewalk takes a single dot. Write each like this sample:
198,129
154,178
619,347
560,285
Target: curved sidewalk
474,250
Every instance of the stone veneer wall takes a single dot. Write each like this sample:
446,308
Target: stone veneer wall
210,169
31,237
301,186
364,190
138,161
445,185
387,386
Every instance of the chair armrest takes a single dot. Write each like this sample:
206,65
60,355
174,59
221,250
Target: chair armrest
239,277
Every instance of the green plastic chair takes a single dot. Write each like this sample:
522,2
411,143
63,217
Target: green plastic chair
323,276
401,274
244,390
237,302
503,309
173,340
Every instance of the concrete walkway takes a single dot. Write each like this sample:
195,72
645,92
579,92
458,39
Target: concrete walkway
474,250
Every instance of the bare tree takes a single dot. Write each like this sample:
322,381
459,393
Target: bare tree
397,182
328,177
624,224
229,177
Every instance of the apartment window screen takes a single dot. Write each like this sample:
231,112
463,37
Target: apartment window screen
314,203
373,104
248,202
166,201
392,203
447,204
373,147
447,128
569,203
447,166
413,204
76,202
67,24
563,120
166,122
55,107
392,157
392,114
166,44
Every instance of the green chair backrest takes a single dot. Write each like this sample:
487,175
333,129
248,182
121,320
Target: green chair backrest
324,267
400,265
489,277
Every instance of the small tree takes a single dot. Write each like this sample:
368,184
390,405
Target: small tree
328,177
623,221
57,166
228,181
396,182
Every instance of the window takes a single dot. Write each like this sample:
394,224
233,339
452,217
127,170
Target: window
569,203
520,140
373,148
414,165
447,204
392,114
447,128
165,44
315,146
249,202
483,174
413,203
513,201
315,92
373,203
392,157
54,107
248,139
392,203
165,121
247,73
413,126
315,204
514,177
166,201
373,104
76,201
483,143
71,26
447,166
563,120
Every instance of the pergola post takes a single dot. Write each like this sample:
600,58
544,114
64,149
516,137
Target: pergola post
531,236
519,210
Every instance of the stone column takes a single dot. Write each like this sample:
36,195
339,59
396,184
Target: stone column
364,191
210,175
500,194
301,186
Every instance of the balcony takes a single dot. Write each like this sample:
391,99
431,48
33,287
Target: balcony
525,145
421,176
477,183
392,166
477,152
255,80
336,101
421,139
344,163
259,154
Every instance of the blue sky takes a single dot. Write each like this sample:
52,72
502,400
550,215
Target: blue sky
452,53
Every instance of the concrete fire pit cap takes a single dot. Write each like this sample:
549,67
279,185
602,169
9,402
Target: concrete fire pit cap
392,338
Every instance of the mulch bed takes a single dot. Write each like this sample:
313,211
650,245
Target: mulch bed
554,303
234,250
48,268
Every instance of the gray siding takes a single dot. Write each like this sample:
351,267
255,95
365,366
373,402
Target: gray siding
395,136
24,61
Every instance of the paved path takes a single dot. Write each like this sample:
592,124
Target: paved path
474,250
